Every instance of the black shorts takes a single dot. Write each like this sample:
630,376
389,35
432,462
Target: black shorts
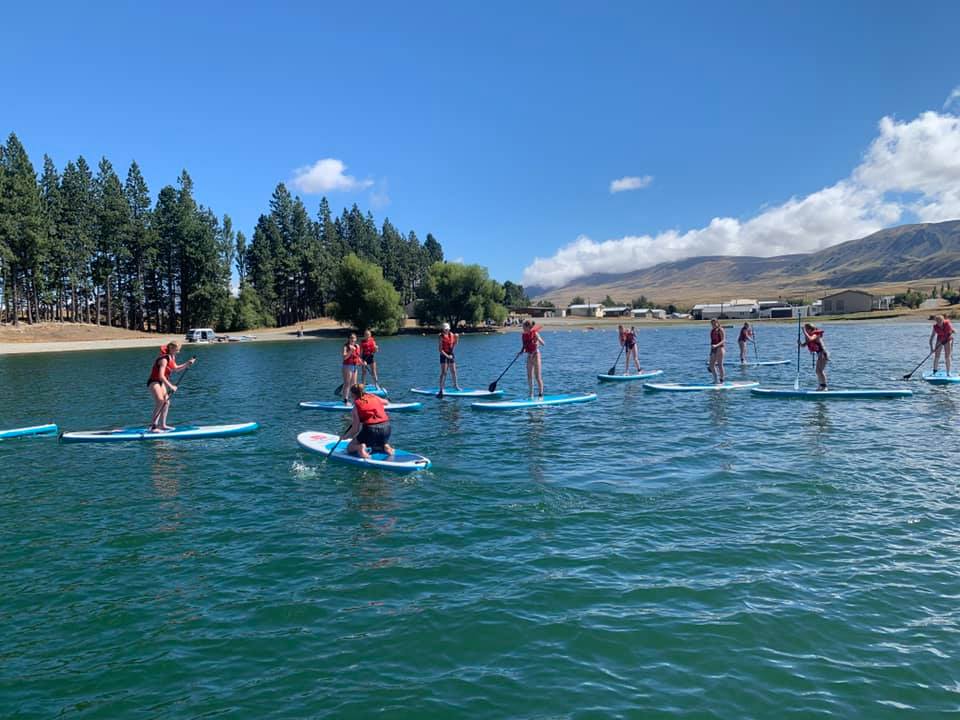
629,345
368,359
375,436
444,360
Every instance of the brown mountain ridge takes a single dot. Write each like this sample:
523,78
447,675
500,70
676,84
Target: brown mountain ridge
886,261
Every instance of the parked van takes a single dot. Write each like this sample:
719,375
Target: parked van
201,335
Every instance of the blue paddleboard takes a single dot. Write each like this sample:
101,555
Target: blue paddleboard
340,406
450,392
536,402
643,375
49,429
184,432
941,378
701,387
765,363
324,443
853,394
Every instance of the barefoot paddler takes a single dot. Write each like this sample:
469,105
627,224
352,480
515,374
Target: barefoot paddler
717,350
943,333
160,386
448,361
370,427
813,340
531,343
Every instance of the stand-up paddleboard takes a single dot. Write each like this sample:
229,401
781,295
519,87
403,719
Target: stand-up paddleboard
536,402
941,378
643,375
765,363
323,443
862,394
184,432
464,392
374,390
49,429
708,387
340,406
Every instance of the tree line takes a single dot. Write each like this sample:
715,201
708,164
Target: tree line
82,245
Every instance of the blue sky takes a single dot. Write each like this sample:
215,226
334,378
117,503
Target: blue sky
500,127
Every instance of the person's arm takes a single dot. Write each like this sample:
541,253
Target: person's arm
345,352
933,334
540,340
354,428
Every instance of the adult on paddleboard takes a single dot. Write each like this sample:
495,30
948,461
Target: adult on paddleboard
448,361
943,332
370,427
531,343
746,335
628,339
352,360
717,350
813,340
368,354
160,386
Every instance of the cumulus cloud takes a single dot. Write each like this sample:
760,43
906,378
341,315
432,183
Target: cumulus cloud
630,182
911,170
953,97
327,175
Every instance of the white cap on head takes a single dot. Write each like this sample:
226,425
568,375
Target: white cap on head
446,326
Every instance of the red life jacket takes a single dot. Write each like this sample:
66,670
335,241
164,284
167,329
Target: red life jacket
370,410
447,342
353,355
529,340
745,335
943,331
716,335
814,345
629,338
368,346
155,375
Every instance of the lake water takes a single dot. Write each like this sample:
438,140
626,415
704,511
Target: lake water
646,555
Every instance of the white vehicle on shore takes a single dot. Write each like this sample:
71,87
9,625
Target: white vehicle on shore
201,335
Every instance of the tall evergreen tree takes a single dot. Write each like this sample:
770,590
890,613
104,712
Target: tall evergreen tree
21,228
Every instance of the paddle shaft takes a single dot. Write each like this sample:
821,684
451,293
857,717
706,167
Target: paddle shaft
613,368
910,374
493,386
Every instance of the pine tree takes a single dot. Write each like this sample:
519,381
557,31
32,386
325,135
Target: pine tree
21,229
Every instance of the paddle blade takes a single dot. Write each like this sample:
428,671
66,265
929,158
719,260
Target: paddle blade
339,389
492,387
612,370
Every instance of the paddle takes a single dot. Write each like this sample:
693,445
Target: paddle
796,380
613,368
492,387
909,374
756,353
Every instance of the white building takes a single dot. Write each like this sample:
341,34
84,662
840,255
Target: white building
733,310
650,313
589,310
618,311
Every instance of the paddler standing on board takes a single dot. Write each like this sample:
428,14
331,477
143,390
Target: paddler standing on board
746,335
717,350
368,354
448,361
370,427
160,386
628,339
531,342
813,340
943,332
351,362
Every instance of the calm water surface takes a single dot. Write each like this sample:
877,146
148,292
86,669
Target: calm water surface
647,555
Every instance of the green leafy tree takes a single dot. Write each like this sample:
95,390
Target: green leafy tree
457,293
514,295
364,299
578,300
609,302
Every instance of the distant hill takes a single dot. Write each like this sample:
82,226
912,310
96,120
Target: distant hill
885,260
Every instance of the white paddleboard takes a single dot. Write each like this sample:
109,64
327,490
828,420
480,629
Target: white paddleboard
536,402
323,443
183,432
49,429
852,394
765,363
643,375
941,378
705,387
339,406
463,392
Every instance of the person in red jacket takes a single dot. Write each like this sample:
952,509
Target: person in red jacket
160,386
717,350
745,336
370,427
628,339
531,343
943,332
448,361
368,354
813,340
352,361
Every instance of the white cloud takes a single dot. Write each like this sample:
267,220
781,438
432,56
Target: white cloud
630,182
912,169
327,175
953,97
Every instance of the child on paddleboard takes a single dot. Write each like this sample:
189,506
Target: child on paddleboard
746,335
448,341
717,350
160,386
943,332
368,354
813,340
532,342
351,362
370,427
628,339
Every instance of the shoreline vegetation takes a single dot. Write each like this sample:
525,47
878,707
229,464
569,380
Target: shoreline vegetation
72,337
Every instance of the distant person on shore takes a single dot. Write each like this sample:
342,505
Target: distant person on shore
943,332
448,361
368,354
717,350
628,339
160,386
531,343
351,363
370,427
813,340
746,335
